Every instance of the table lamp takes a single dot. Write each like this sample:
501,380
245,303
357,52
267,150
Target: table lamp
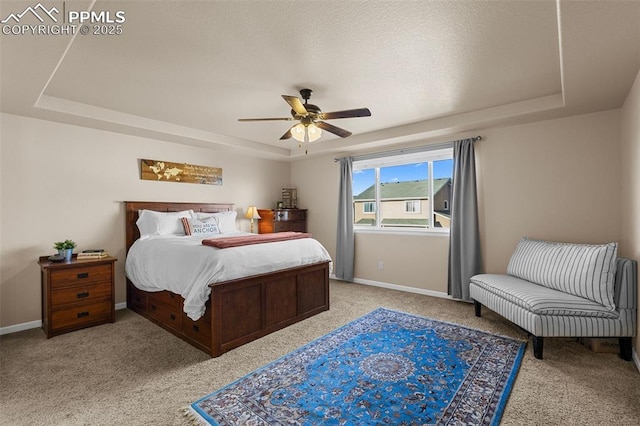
252,213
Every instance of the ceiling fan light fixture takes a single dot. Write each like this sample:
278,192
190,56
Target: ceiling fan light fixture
297,132
309,133
314,132
312,121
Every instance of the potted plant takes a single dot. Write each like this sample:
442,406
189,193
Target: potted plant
65,248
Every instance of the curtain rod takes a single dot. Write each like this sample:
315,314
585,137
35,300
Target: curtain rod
406,150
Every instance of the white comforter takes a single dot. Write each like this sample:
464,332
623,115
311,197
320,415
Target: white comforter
186,267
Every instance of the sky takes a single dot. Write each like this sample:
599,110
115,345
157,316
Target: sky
362,179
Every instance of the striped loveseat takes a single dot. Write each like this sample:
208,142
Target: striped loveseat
564,290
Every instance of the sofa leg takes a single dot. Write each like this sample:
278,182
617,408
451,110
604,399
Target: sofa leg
538,345
625,348
478,308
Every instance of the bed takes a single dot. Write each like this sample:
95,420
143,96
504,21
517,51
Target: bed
237,311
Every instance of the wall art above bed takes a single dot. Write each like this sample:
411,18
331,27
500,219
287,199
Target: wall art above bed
179,172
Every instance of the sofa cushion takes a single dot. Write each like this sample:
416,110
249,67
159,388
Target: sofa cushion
539,299
582,270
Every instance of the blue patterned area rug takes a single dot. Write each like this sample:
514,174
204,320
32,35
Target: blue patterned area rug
386,367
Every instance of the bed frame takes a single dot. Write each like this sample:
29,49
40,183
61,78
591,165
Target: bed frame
238,311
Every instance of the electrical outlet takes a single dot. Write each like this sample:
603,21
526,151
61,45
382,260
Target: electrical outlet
380,265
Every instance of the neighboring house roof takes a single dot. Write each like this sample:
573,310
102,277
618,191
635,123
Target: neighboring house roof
403,190
405,222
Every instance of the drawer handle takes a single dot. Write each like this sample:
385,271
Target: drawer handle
196,328
153,307
83,295
83,275
173,316
83,314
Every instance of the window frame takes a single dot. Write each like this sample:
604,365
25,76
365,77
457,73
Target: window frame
377,162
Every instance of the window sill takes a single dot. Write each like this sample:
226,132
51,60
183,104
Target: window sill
400,231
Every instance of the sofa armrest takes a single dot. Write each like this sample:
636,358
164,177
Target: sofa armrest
626,284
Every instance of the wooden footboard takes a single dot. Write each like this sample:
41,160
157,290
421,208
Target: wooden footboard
239,311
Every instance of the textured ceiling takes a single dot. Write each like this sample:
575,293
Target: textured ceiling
185,71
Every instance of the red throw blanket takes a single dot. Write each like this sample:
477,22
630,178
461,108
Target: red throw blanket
244,240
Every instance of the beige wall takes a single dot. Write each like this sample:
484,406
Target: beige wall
318,181
59,181
409,260
630,206
556,179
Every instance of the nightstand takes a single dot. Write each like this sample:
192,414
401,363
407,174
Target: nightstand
76,294
282,220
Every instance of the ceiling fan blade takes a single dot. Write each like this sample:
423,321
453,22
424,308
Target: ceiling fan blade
349,113
333,129
266,119
287,135
296,105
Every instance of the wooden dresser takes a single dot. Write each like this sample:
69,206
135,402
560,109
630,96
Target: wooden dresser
282,220
76,294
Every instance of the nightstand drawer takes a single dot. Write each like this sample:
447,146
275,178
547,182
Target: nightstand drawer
81,294
80,275
290,215
81,314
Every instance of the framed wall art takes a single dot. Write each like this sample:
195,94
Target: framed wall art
167,171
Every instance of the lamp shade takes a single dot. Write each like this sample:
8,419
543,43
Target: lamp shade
314,132
252,213
298,132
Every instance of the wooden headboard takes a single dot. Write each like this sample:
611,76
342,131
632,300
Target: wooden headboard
132,208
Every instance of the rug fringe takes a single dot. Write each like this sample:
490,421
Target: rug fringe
191,416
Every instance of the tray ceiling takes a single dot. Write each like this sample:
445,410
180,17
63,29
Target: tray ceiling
185,71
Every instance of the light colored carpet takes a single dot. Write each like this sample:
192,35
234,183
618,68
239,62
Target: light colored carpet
134,373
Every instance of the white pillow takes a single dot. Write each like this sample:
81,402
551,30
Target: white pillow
199,227
226,220
161,223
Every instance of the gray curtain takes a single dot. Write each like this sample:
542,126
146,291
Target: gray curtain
464,246
345,247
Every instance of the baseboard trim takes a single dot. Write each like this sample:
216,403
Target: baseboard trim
37,324
20,327
403,288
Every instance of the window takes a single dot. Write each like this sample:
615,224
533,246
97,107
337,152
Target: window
412,206
409,191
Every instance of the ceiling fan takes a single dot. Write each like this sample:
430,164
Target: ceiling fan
311,119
